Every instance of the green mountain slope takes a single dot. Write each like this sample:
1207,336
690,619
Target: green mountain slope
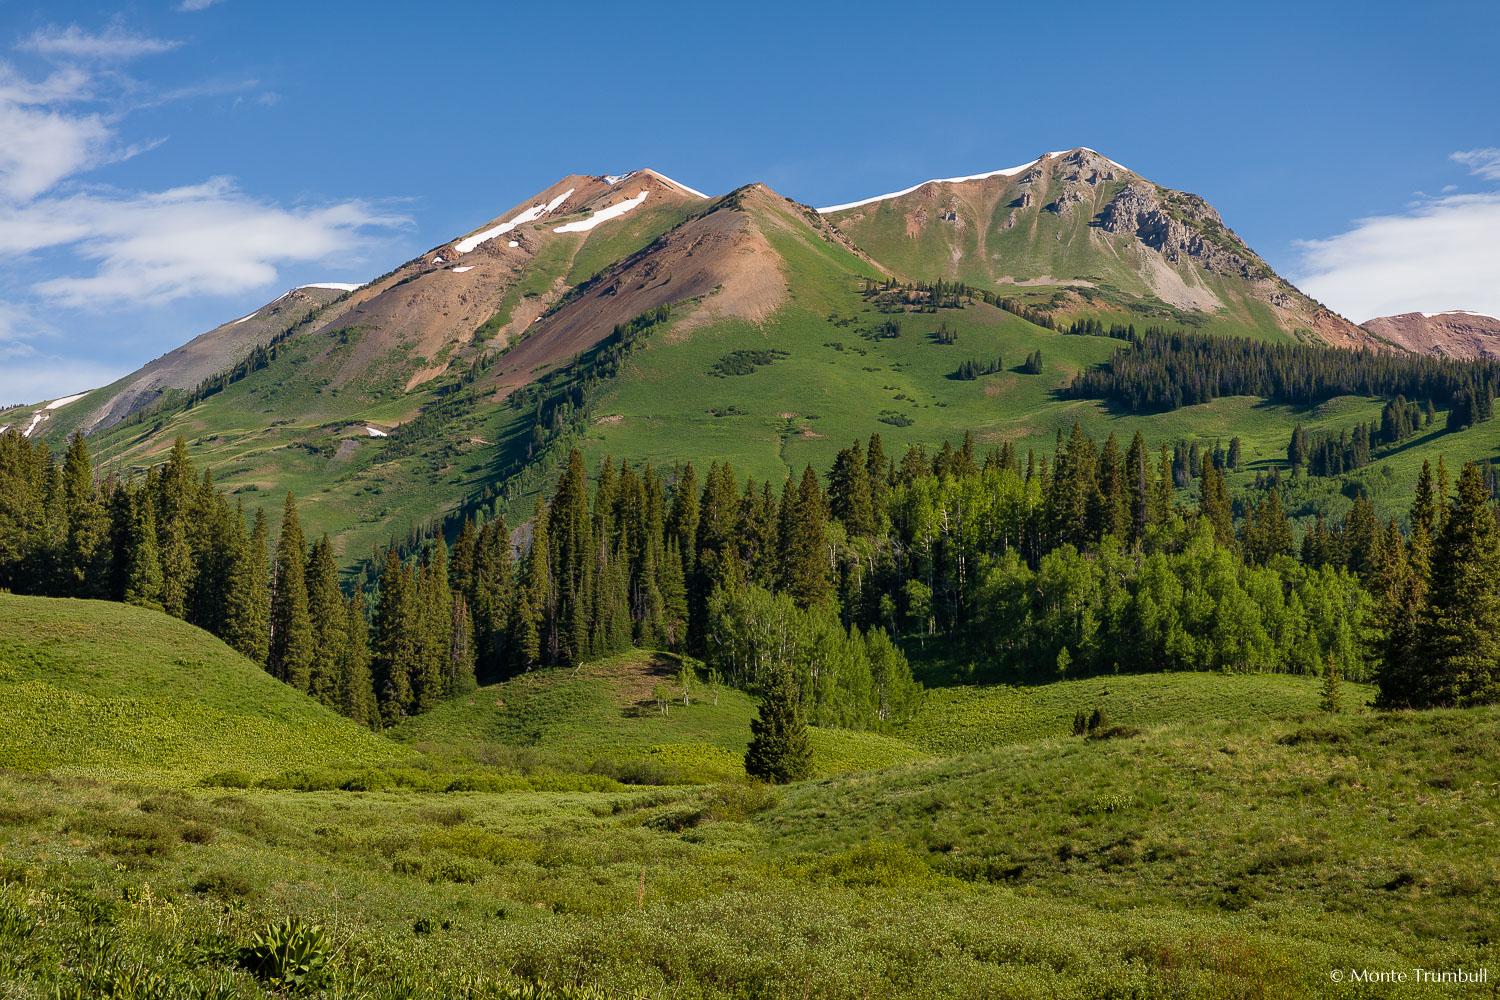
93,687
1080,234
458,380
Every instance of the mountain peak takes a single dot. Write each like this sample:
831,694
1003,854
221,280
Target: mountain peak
1081,154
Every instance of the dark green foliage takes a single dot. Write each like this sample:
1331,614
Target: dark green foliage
1033,363
973,369
745,362
293,956
1164,371
779,751
292,641
1459,639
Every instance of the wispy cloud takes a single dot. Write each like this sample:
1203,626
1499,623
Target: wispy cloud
1440,254
1481,162
114,44
195,5
207,239
68,243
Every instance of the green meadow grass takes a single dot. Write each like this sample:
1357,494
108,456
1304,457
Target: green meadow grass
606,711
104,689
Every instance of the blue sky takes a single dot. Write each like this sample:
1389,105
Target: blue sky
168,166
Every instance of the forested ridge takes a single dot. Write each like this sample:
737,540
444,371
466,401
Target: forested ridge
1090,560
1165,371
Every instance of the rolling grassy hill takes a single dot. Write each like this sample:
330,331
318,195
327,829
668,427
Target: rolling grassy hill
1242,855
607,710
105,689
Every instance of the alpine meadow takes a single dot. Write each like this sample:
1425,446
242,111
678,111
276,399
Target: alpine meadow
1011,586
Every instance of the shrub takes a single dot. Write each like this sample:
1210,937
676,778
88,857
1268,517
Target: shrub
291,956
224,883
229,779
453,869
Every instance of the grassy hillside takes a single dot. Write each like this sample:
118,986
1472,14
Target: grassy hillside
1203,859
93,687
607,710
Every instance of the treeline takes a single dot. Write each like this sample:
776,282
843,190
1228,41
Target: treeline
1326,454
1165,371
171,541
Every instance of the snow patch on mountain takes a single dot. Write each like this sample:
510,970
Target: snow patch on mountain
341,286
531,214
603,215
681,186
59,403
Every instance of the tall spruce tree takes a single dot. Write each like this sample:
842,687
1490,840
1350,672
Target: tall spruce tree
325,606
356,686
779,750
292,648
1460,643
247,623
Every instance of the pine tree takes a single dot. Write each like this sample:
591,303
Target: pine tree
291,651
1213,503
1332,692
779,749
325,607
805,569
674,598
247,625
356,686
173,500
86,558
1460,642
143,578
393,640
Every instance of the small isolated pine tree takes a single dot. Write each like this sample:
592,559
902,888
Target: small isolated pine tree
1098,722
779,749
1333,694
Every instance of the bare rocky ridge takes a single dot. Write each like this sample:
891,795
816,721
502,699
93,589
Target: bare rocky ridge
1455,334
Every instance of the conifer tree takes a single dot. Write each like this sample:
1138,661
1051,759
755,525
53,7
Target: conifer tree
779,750
356,686
86,559
173,502
1213,503
325,607
143,577
805,569
1460,643
878,471
849,494
674,598
393,640
247,623
291,651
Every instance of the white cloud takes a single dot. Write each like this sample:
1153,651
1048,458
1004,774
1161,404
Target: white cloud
194,5
65,243
1481,162
115,44
208,239
1440,255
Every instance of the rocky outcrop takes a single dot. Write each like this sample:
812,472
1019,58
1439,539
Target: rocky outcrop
1179,225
